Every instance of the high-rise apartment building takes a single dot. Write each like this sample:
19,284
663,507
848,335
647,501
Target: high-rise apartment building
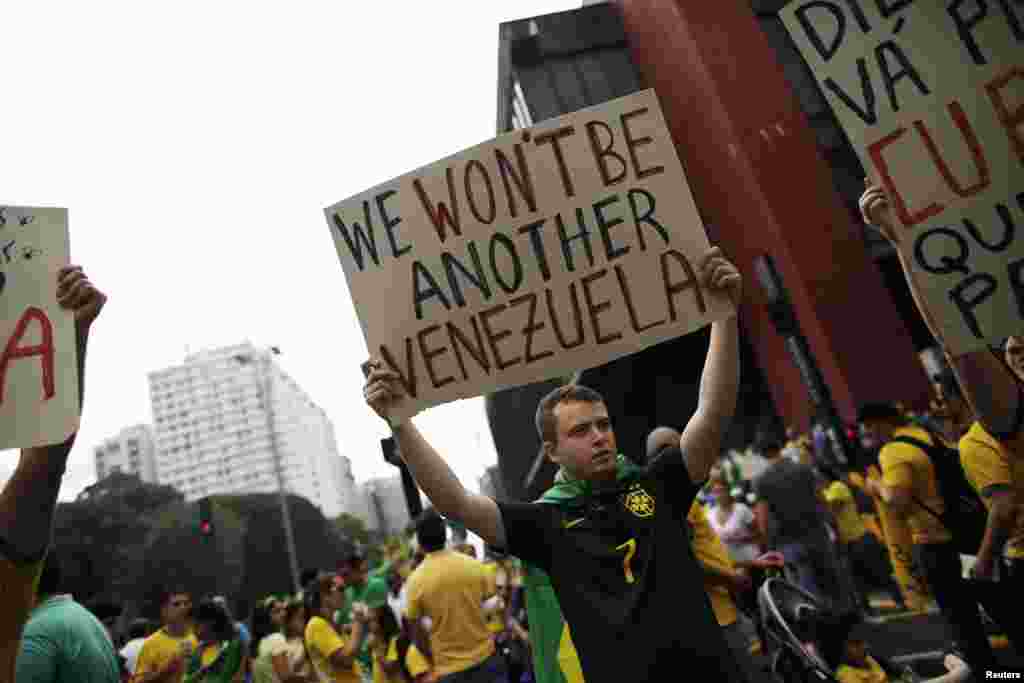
386,498
131,451
353,498
230,420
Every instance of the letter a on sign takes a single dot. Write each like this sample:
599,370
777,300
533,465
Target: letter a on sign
38,367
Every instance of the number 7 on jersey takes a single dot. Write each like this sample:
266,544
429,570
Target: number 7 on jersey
630,548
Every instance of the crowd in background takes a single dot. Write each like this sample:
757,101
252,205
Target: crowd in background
785,506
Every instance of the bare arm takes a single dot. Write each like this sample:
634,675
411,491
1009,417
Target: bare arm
34,486
1001,516
344,656
761,513
701,442
479,513
987,384
283,670
421,639
898,498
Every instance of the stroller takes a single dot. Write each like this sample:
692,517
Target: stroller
798,635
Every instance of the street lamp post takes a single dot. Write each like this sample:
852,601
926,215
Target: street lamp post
266,393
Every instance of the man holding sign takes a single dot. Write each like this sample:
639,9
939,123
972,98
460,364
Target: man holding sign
28,499
617,552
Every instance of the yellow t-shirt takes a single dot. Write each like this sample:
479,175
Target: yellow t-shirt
908,467
568,658
851,526
711,553
17,595
450,588
322,641
989,464
160,649
415,662
873,674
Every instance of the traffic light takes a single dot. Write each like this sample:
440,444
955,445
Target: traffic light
205,518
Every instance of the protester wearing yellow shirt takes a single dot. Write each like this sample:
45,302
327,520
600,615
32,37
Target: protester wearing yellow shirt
998,477
896,535
395,659
450,589
869,562
720,577
164,654
332,653
908,481
858,666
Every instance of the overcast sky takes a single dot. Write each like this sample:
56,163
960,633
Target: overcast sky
196,144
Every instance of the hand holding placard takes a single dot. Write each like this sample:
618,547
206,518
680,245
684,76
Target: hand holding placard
383,391
76,293
719,274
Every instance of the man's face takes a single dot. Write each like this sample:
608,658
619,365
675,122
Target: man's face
355,573
586,443
1015,356
176,609
335,596
277,614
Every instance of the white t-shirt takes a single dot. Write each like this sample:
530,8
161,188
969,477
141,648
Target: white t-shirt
736,531
131,651
271,644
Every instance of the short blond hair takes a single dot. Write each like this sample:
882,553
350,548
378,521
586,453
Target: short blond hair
547,425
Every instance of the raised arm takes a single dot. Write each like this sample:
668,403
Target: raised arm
987,384
701,442
30,495
449,497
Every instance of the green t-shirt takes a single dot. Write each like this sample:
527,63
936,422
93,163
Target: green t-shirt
65,643
375,594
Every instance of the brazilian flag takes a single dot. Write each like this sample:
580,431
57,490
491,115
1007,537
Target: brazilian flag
554,656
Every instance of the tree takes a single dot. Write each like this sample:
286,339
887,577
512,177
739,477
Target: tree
352,528
98,536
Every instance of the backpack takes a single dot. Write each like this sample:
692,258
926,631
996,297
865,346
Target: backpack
964,514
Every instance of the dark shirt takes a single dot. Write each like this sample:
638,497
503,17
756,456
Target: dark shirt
627,581
789,489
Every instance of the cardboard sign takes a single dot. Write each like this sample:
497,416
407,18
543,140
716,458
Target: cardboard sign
541,252
38,366
931,95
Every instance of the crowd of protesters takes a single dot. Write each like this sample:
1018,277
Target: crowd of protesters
626,569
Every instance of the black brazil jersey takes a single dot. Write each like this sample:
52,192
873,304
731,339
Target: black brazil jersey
627,580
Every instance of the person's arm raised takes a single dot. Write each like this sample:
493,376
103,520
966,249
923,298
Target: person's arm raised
479,513
701,442
987,383
33,487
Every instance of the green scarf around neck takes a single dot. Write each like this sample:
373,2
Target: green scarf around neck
569,491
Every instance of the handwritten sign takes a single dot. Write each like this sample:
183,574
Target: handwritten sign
931,95
38,368
538,253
